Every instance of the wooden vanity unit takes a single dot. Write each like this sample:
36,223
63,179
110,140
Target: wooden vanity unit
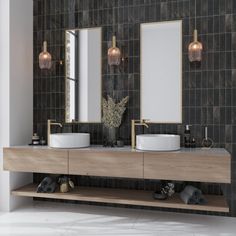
39,160
123,164
200,165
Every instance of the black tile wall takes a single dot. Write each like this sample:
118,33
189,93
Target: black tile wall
209,88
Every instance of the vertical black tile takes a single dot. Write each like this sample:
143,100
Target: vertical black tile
209,95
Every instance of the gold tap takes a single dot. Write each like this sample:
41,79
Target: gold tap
133,124
50,123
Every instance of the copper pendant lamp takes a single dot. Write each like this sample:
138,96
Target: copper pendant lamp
195,48
114,54
45,58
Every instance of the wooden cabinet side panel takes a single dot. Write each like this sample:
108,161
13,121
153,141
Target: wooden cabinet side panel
187,168
112,164
35,160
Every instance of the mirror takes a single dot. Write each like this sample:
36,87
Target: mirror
161,72
83,55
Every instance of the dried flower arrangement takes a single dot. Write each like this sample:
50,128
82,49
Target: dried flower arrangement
112,112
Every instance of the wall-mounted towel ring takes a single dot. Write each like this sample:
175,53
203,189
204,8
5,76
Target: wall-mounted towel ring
207,142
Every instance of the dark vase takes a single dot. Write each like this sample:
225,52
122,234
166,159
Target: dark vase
110,137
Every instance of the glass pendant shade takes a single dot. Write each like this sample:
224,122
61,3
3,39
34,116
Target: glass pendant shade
114,54
195,49
45,58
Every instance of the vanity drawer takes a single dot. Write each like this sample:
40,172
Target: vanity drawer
188,167
36,160
112,164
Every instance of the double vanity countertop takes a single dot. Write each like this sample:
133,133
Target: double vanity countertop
100,148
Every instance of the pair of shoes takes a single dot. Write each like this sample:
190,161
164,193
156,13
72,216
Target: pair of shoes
48,185
159,195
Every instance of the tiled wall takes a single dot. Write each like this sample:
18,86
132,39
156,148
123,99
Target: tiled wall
209,88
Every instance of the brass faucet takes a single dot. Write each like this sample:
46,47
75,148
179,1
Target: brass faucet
133,124
50,123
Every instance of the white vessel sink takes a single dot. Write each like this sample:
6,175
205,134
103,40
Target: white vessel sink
70,140
158,142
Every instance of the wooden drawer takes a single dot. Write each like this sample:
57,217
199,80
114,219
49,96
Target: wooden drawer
188,167
36,160
112,164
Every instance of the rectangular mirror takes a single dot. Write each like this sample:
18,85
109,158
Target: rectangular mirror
161,72
83,55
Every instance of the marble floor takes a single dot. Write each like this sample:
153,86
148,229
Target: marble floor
58,219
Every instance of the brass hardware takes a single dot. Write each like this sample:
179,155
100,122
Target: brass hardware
113,41
133,124
50,123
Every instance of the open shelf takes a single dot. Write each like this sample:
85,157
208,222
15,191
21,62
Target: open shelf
124,196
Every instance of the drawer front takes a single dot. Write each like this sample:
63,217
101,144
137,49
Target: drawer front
112,164
187,167
36,160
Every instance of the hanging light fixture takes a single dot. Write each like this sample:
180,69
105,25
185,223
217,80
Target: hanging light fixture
45,58
195,48
114,54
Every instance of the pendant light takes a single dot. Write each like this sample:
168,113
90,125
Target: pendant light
195,48
45,58
114,54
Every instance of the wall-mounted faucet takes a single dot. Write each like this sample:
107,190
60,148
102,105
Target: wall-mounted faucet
133,124
50,123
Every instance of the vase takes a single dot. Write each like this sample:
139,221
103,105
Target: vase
111,136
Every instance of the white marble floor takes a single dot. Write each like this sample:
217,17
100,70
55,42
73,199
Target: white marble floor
58,219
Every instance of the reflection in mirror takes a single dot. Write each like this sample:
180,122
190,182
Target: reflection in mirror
161,72
83,75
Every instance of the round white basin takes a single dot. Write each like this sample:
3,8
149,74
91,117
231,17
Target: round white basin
158,142
70,140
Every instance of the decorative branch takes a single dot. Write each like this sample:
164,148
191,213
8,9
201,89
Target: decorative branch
112,112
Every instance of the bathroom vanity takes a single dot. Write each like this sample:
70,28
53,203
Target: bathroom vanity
200,165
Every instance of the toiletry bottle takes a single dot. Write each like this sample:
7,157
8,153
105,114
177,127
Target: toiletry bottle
193,143
187,136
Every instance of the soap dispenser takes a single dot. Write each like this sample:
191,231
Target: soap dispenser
187,136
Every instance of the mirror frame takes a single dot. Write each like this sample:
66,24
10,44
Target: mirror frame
65,79
181,72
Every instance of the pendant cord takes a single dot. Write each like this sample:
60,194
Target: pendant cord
113,21
195,14
44,23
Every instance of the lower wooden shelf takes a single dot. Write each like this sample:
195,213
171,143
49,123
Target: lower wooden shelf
124,196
